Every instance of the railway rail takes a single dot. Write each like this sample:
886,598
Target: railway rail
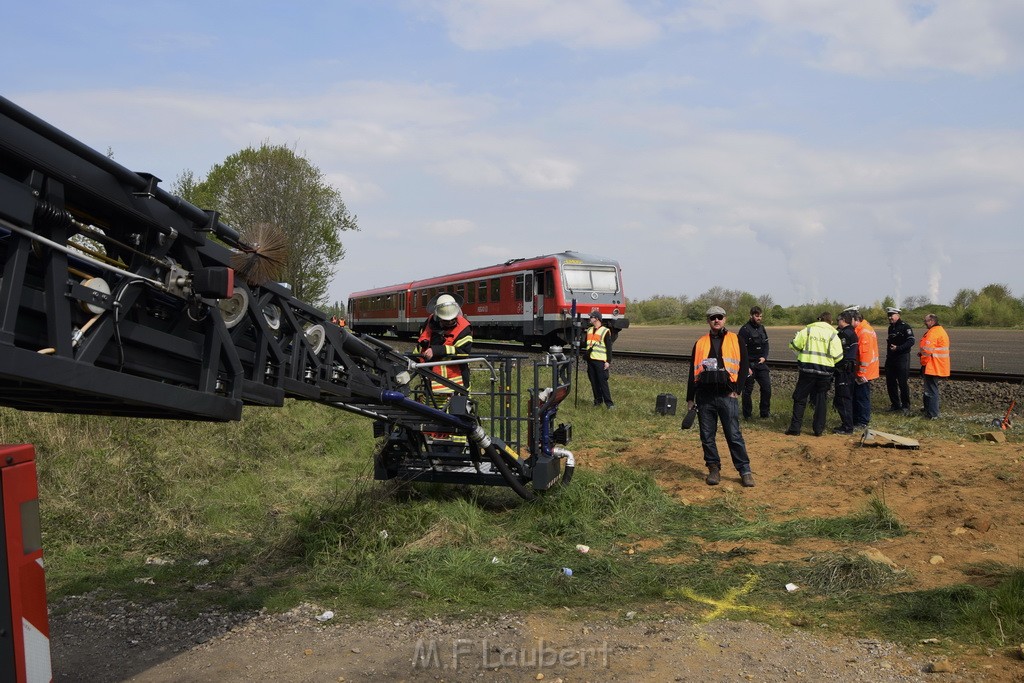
955,375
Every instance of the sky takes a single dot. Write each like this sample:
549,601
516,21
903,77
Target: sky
801,149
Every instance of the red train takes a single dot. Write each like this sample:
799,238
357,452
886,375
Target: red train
525,299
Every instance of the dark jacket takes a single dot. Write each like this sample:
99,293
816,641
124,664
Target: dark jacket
902,335
755,338
848,337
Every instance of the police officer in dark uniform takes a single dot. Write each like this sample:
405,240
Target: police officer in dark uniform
755,338
897,361
845,370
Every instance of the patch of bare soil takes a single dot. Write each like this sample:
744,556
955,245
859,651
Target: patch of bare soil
961,502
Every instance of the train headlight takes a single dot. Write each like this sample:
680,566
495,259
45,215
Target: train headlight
615,312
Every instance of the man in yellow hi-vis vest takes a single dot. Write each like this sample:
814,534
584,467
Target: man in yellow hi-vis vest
598,350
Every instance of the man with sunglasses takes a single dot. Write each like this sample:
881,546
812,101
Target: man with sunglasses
719,368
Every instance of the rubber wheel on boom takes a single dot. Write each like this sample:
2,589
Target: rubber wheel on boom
510,477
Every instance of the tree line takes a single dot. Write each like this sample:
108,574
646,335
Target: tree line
992,306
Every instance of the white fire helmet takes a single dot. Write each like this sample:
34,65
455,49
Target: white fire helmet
446,307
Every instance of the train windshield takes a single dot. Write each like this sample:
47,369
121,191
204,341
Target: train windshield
591,279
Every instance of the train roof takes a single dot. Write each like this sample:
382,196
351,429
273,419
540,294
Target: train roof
512,265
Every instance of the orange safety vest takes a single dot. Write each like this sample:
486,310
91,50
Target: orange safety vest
452,345
867,351
730,355
935,351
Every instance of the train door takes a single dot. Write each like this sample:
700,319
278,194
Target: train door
403,318
539,280
524,292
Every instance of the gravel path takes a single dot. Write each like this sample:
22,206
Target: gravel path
101,641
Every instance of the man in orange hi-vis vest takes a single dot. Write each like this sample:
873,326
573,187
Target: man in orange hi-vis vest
719,369
867,368
934,356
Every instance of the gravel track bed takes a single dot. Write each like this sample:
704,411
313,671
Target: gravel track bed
992,397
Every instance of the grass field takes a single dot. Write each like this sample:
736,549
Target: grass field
279,508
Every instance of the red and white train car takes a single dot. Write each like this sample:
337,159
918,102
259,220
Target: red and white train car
525,299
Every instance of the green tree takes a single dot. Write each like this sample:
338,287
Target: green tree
963,299
273,184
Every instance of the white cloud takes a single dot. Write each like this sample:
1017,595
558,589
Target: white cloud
546,174
870,37
354,190
498,24
455,227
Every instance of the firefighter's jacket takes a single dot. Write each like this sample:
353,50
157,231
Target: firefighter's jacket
935,352
445,344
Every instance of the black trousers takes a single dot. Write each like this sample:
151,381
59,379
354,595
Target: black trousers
599,382
814,386
843,401
763,378
897,371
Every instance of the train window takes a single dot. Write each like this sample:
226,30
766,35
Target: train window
471,293
482,294
549,283
519,288
496,290
592,279
460,291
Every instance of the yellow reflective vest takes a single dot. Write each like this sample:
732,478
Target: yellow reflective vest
818,348
597,348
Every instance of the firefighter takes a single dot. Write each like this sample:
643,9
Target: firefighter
897,361
598,350
446,334
934,356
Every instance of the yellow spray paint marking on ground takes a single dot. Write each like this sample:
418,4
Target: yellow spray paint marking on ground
728,601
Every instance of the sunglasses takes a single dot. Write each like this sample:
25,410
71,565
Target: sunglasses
716,317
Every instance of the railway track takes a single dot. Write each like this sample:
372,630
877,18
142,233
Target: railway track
790,365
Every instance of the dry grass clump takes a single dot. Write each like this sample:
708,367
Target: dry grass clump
839,574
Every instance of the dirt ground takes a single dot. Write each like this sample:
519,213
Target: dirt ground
960,500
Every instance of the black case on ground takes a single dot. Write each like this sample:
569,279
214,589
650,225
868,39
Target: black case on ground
665,404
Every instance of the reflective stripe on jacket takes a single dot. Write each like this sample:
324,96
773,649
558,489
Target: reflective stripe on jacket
818,348
730,356
935,352
448,343
867,351
596,348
